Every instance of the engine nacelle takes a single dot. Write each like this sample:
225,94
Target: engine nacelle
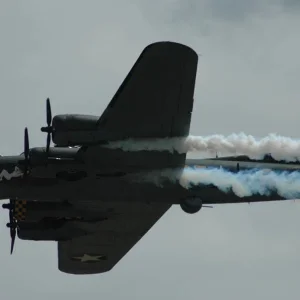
49,230
191,205
72,130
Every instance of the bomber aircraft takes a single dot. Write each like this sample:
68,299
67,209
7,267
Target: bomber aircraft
80,193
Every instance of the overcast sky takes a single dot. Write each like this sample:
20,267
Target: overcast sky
77,53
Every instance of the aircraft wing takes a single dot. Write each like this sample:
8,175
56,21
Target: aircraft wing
156,98
154,101
111,239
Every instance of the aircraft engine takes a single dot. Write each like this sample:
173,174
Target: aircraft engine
49,230
48,221
69,129
191,205
73,130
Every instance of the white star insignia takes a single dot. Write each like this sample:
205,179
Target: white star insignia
89,258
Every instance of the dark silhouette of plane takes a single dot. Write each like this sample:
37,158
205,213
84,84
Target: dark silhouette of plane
81,193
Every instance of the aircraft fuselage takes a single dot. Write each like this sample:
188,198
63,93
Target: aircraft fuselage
65,175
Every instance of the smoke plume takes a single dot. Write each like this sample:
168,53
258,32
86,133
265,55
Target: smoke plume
280,147
243,184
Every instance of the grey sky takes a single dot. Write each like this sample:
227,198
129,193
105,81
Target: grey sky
77,53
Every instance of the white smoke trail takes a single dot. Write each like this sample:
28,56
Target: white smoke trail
243,184
280,147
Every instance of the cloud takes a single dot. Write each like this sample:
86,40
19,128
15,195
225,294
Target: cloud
290,5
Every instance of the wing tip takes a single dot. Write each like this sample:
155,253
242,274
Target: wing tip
171,46
83,271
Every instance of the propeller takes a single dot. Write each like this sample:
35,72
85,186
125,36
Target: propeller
12,223
26,152
48,129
